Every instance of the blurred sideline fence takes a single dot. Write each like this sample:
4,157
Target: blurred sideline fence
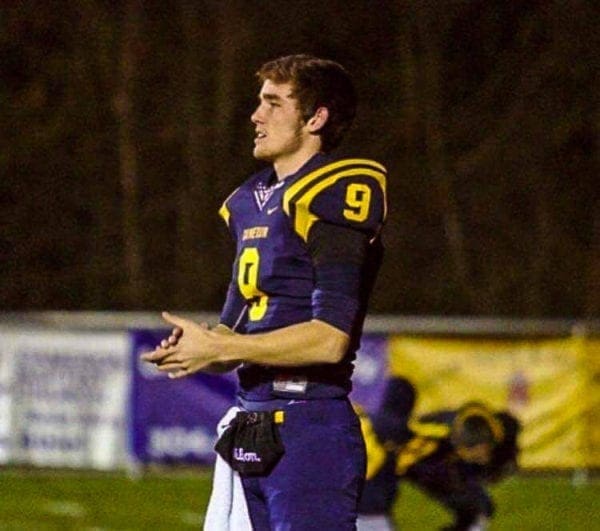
73,393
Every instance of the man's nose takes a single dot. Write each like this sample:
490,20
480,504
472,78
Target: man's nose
255,118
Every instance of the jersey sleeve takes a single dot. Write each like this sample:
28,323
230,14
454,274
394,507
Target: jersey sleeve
348,192
234,313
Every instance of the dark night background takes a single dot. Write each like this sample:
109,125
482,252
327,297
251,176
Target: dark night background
124,125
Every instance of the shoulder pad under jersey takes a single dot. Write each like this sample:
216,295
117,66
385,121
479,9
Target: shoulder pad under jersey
349,192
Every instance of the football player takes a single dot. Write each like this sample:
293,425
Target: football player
451,455
308,247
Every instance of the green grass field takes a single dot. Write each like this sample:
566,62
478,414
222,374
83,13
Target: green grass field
51,500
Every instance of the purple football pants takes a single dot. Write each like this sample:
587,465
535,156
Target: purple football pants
317,483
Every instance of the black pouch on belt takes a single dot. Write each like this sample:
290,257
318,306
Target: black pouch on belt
252,444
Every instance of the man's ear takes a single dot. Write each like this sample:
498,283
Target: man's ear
316,122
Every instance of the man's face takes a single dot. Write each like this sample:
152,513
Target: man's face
280,130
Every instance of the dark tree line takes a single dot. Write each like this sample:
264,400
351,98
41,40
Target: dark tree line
126,124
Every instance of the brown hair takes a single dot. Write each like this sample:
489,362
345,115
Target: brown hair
317,83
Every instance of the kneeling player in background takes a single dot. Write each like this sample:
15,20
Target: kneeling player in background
451,455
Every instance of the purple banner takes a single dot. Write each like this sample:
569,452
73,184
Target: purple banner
370,371
174,421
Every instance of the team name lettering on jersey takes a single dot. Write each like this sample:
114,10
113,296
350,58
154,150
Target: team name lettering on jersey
254,233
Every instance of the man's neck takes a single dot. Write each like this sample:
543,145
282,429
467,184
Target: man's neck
289,166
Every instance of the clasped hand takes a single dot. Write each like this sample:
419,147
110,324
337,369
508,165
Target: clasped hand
188,349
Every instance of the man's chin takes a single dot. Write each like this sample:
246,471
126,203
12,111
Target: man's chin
260,154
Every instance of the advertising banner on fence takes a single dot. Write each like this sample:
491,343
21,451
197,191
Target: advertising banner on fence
6,371
83,399
592,371
64,398
543,382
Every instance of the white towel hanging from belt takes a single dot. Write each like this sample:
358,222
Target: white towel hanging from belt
227,509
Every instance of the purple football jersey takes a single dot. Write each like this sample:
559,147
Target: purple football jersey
273,279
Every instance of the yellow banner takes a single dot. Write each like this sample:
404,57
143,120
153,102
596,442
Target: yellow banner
592,416
550,385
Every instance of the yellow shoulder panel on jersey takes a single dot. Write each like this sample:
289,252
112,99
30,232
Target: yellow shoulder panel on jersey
302,192
224,210
224,213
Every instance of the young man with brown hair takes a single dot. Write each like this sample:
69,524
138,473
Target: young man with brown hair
307,231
